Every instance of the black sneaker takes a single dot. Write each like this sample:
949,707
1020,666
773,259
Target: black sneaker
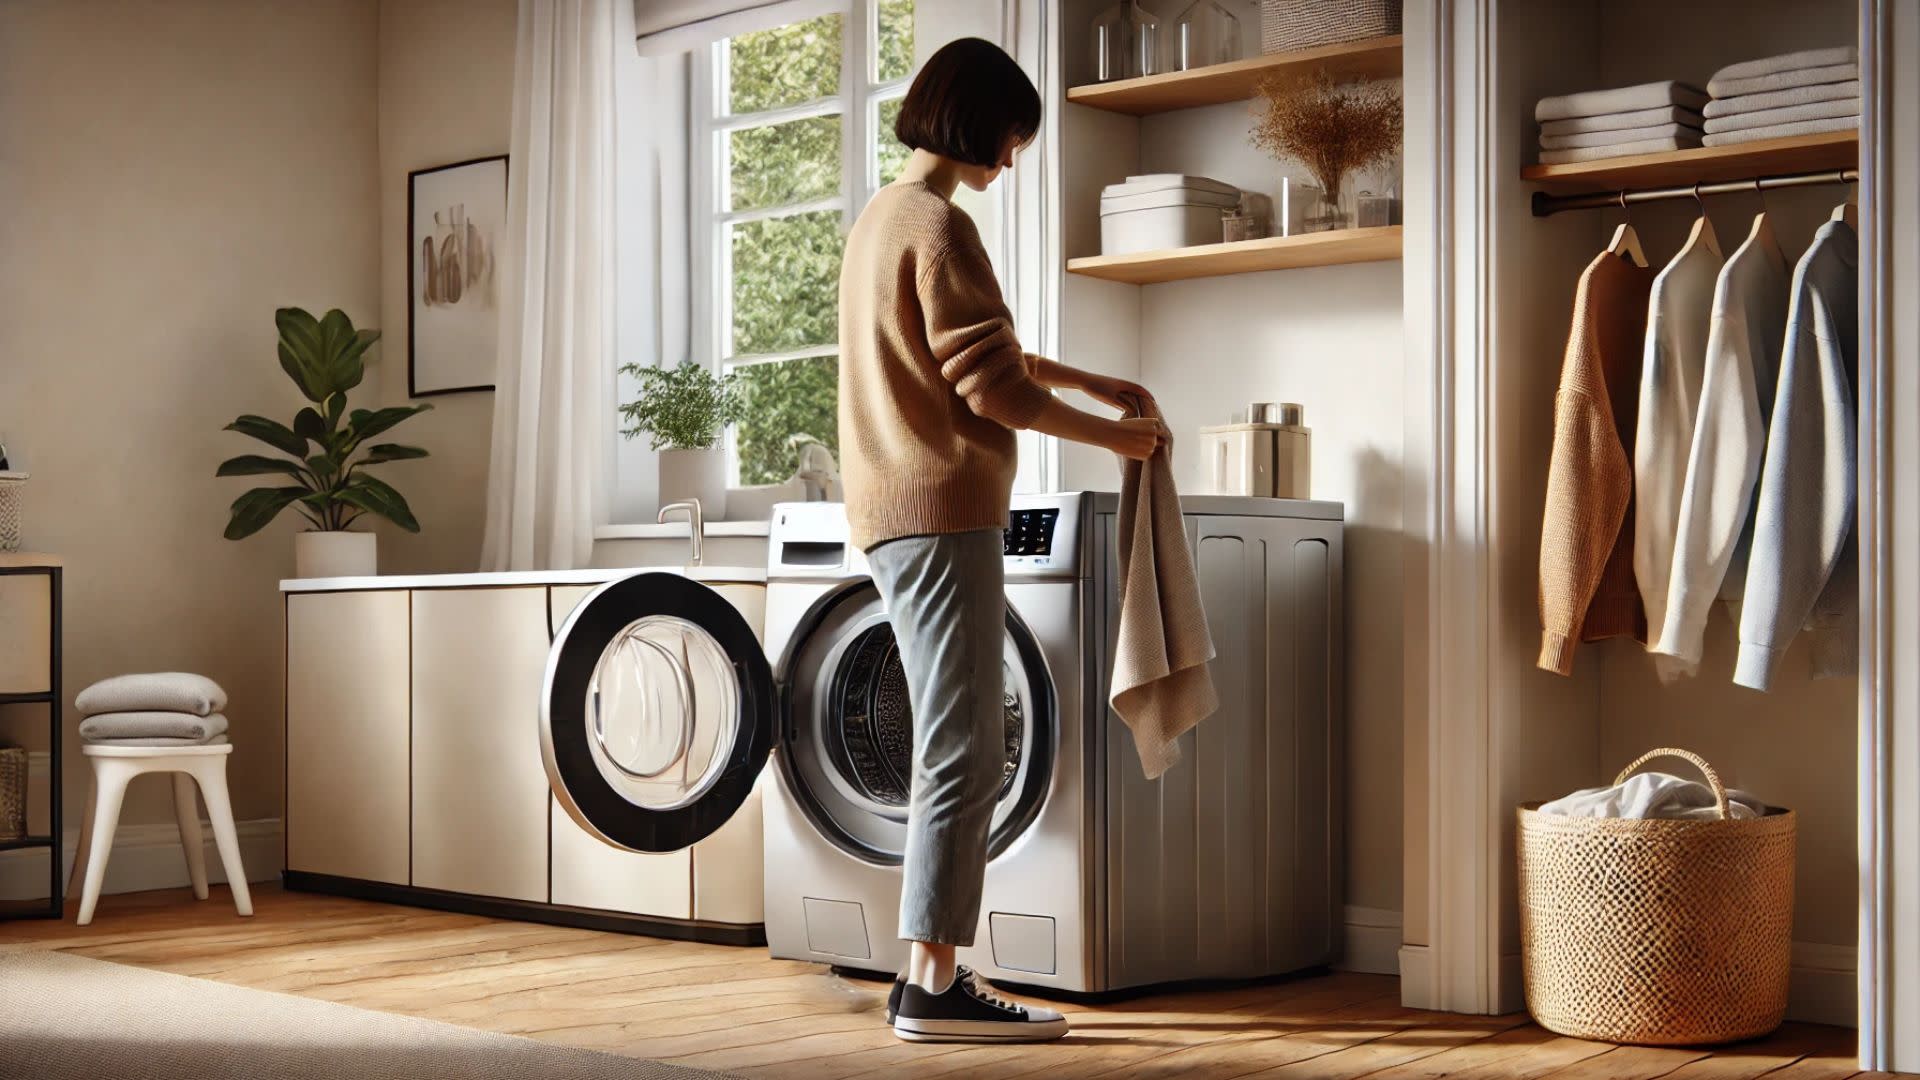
969,1010
893,997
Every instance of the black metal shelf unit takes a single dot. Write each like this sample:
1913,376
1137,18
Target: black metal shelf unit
52,907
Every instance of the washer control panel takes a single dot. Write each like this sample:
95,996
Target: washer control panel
1043,535
1031,531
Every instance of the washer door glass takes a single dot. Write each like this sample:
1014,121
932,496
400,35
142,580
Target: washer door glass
848,744
658,712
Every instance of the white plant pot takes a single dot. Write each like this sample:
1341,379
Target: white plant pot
335,554
695,474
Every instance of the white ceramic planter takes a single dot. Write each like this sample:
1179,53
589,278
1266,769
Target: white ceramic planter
335,554
695,474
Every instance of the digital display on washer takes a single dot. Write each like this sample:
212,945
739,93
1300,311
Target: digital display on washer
1031,532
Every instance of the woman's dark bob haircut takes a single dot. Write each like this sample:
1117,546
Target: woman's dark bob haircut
965,102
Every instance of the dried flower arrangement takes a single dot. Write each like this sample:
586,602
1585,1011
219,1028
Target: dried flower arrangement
1331,129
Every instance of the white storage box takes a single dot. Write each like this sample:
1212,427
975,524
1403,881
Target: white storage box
1163,210
1274,460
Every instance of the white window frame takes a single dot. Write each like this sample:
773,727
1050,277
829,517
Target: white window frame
858,105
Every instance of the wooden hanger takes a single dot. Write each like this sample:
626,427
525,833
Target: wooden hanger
1702,228
1848,211
1626,242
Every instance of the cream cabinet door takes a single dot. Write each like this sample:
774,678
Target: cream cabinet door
347,734
588,872
479,790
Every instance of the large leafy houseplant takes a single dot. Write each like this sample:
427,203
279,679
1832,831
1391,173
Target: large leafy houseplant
326,446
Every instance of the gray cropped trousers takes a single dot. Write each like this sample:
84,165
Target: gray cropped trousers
946,597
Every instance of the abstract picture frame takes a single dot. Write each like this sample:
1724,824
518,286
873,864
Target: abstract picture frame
456,217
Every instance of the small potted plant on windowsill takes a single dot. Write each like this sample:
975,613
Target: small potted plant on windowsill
686,409
329,486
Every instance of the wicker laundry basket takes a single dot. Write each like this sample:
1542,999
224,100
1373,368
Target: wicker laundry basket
1664,932
10,486
13,793
1286,25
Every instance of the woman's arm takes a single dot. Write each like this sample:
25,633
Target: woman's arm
1110,389
1135,437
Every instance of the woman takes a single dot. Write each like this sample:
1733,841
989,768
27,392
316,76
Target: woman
933,384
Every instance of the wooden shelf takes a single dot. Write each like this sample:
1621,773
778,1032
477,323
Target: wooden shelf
1373,58
1708,164
1245,256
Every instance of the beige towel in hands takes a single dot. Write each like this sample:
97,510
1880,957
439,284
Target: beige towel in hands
1161,683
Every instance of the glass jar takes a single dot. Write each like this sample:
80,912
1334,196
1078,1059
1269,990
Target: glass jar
1126,42
1205,34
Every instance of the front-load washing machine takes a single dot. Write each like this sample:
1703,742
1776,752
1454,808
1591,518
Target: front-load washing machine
661,711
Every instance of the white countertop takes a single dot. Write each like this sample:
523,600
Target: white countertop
671,530
746,575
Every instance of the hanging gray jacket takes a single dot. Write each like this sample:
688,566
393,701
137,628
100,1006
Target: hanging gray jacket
1803,569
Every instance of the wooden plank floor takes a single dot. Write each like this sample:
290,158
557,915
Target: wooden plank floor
738,1011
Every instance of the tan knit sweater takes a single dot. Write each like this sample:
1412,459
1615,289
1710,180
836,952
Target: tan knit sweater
1587,589
932,379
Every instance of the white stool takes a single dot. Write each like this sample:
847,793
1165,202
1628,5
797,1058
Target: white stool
113,768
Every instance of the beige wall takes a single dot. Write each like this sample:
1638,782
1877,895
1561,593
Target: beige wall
172,173
446,95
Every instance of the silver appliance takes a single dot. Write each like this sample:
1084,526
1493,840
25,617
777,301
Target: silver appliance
1226,867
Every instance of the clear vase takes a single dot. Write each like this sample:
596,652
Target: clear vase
1126,42
1205,34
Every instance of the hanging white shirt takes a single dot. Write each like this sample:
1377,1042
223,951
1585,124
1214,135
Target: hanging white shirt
1736,396
1679,313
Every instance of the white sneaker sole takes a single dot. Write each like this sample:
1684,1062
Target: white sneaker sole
978,1030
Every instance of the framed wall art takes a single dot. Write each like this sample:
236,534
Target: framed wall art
455,217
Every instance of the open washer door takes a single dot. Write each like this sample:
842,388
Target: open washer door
658,712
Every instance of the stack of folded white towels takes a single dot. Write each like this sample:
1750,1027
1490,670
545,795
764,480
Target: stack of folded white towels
1797,94
163,708
1644,119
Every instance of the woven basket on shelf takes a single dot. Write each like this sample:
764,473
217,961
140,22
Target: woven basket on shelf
1286,25
10,485
1657,931
13,793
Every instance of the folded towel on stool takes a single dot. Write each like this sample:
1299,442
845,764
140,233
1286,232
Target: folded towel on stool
169,691
1812,110
1779,99
119,726
217,740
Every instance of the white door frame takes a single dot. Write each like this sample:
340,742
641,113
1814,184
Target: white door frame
1454,850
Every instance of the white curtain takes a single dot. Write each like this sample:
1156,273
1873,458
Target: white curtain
557,307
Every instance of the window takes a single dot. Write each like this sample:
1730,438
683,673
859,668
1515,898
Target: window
792,133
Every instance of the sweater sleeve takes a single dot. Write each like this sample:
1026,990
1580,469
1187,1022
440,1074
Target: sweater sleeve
970,332
1588,487
1806,504
1717,496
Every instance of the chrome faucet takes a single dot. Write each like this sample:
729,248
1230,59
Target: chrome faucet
696,524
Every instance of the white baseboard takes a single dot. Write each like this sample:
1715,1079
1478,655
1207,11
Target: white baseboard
1372,941
1822,987
145,857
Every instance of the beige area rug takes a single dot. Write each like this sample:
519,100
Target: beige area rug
65,1017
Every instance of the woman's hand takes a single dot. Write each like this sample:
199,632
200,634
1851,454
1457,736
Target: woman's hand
1123,394
1138,437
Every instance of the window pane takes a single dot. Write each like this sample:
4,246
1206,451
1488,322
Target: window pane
785,65
892,154
793,397
786,280
785,163
896,39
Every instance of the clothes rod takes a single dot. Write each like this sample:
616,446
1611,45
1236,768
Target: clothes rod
1545,205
